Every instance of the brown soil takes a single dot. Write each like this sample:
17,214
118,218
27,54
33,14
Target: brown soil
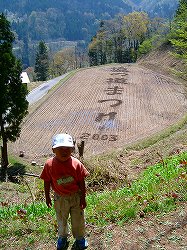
154,232
108,107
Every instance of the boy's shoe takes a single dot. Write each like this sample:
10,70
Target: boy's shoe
62,243
80,244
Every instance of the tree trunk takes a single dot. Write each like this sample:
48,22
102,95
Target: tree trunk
4,156
81,149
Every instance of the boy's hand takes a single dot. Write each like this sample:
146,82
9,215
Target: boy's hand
82,202
47,193
83,194
48,202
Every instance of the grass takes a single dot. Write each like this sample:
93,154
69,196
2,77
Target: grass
159,189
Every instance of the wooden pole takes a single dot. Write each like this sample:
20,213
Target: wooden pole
81,149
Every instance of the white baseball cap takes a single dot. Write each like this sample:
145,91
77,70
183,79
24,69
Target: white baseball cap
62,140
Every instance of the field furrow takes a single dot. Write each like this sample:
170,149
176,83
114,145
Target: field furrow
107,107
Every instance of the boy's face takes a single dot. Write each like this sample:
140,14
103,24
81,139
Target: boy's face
63,153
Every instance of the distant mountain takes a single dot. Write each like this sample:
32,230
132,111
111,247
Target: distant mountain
62,23
53,19
159,8
35,20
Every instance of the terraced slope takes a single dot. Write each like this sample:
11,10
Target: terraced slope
107,107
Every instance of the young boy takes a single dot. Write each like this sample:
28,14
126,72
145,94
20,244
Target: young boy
65,175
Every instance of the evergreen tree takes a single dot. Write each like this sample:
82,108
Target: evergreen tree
178,35
182,8
179,29
42,62
13,93
93,52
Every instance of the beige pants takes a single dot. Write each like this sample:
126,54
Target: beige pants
65,206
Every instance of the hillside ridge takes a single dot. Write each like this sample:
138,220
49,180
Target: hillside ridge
163,60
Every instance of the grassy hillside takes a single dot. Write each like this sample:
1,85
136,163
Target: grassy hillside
135,185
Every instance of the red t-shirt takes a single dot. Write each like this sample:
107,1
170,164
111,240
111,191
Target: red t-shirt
64,176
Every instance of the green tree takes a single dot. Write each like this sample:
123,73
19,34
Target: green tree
118,40
182,9
13,93
145,47
179,29
178,35
63,61
42,62
135,27
98,46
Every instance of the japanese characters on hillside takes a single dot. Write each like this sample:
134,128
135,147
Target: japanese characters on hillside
115,86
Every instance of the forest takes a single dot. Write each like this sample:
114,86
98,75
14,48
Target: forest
83,33
74,20
124,39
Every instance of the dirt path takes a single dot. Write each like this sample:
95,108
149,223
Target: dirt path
107,106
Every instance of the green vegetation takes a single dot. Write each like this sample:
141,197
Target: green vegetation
173,34
178,35
159,189
156,190
118,40
13,93
73,20
59,22
42,62
127,37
